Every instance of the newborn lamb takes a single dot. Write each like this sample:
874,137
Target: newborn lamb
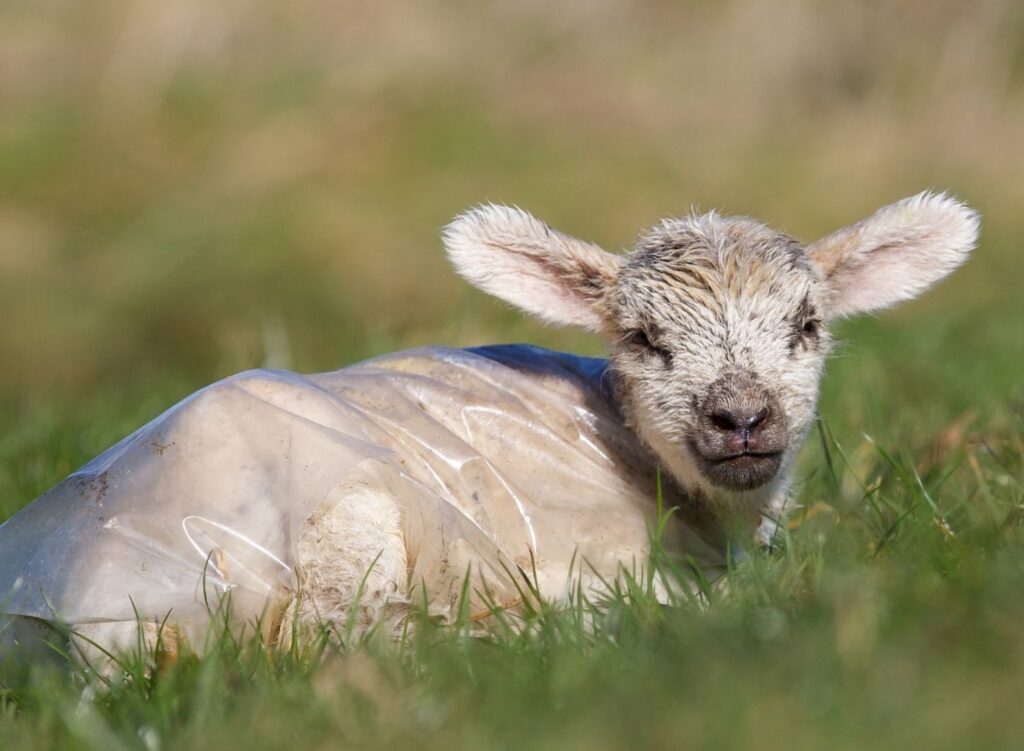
356,493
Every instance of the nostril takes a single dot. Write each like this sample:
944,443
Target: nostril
724,421
756,419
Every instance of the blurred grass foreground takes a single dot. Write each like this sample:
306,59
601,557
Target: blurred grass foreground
189,189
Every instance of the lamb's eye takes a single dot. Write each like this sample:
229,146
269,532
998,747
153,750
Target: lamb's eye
806,327
640,340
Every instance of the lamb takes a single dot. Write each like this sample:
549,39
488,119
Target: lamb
304,496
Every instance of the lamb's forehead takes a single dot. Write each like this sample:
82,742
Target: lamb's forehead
715,241
713,262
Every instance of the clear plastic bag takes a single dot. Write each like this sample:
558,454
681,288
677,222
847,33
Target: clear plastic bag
502,458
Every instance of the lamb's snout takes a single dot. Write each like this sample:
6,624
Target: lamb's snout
741,433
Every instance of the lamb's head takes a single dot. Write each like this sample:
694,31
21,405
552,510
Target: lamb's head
718,326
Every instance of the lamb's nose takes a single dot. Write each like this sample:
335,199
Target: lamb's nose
743,422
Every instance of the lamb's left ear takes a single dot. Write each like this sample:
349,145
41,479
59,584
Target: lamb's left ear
896,253
512,255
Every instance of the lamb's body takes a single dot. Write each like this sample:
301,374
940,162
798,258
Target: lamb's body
420,466
406,470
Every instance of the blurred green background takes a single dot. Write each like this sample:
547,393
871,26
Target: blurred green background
196,188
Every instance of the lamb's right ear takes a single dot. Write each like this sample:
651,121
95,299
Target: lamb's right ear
894,254
512,255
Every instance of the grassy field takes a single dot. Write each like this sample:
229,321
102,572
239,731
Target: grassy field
193,189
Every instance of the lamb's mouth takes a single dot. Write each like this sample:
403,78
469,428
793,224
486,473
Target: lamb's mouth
744,470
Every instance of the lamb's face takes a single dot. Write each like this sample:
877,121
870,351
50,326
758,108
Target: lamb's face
717,326
718,347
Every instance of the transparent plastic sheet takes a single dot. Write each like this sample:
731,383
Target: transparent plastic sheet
503,458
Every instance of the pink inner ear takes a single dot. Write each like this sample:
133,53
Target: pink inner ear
883,278
515,257
895,254
540,287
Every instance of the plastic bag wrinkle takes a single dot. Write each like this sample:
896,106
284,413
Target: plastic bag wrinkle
493,459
